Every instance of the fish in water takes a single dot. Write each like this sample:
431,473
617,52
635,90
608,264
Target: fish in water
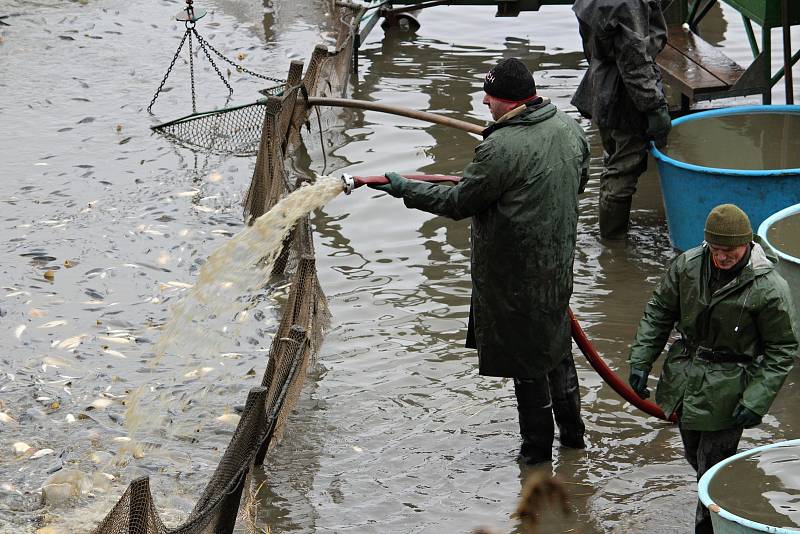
229,419
40,453
21,448
7,419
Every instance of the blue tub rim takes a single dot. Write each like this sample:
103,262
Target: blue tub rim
705,480
763,229
736,110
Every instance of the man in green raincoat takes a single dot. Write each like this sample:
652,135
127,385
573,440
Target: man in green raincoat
622,93
738,340
521,191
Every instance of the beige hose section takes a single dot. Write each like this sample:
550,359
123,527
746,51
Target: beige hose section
396,110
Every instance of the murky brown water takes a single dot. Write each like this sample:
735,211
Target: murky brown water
785,235
751,141
771,492
395,431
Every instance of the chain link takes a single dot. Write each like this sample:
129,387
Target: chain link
169,69
205,46
236,66
190,30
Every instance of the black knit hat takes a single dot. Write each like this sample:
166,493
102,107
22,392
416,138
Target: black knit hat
510,80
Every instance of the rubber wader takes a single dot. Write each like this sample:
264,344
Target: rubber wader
614,218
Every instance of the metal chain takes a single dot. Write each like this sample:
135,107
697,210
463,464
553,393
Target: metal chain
237,67
169,69
203,44
191,30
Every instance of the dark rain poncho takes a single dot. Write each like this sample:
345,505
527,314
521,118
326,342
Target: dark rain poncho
621,39
751,316
521,191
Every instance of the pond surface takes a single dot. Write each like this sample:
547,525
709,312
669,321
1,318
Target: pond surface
106,226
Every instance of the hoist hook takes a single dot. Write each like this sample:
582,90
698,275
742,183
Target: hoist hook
190,15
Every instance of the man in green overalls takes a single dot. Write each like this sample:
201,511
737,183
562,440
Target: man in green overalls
622,93
521,193
738,340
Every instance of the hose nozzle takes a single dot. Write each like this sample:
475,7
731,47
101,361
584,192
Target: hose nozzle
348,183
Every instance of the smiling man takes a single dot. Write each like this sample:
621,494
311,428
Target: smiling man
735,317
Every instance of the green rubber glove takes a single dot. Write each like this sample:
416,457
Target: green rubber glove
745,417
638,382
395,187
658,126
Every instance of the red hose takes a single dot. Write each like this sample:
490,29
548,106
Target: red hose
610,377
380,180
595,360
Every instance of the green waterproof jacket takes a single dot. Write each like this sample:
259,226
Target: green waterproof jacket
521,191
752,316
621,39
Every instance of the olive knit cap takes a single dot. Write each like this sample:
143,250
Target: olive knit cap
728,226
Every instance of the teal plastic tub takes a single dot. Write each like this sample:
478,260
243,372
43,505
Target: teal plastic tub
788,266
725,521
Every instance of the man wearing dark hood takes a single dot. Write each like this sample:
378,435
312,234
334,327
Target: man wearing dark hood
521,192
622,93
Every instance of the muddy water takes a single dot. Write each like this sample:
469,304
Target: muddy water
772,493
785,235
395,431
752,141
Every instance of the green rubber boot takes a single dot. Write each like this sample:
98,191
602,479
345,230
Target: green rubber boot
615,217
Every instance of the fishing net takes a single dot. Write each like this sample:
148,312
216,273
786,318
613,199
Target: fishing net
238,130
272,126
229,131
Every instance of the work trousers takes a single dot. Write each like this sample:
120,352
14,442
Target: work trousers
625,159
703,450
539,399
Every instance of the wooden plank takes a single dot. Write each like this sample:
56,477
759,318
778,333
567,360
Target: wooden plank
704,54
689,77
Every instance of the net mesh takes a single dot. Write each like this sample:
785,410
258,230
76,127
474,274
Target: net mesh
270,130
229,131
239,130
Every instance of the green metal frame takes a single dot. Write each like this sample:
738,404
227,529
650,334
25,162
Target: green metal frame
765,13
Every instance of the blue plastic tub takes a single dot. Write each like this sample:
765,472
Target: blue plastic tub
724,521
691,191
788,266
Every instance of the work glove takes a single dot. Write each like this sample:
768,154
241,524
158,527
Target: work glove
638,382
745,417
658,126
395,187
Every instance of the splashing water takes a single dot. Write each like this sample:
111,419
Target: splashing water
199,324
